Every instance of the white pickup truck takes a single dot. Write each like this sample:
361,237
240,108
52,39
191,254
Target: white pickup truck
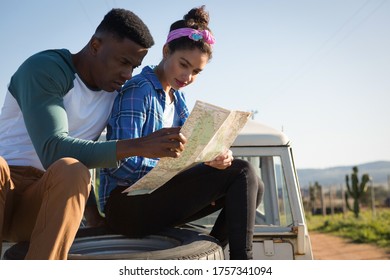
280,231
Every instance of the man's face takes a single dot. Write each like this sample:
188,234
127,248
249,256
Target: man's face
114,61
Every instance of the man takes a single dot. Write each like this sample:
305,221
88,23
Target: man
57,104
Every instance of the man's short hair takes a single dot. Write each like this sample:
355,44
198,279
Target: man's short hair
125,24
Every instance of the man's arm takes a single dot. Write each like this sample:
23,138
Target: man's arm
39,86
39,93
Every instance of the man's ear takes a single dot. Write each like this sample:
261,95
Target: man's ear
94,44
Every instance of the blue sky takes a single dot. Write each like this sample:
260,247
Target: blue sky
316,69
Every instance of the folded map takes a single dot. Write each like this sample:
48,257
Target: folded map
210,131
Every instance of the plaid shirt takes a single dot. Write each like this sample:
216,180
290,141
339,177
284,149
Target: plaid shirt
137,112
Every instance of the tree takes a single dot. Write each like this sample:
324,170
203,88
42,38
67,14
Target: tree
355,190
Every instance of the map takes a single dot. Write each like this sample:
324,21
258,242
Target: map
210,130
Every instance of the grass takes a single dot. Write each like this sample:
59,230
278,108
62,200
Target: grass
365,229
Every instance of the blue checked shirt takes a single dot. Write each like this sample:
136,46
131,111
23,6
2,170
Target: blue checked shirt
137,112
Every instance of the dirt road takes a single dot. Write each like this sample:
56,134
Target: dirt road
329,247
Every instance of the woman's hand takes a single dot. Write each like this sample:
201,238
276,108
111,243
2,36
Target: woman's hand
222,161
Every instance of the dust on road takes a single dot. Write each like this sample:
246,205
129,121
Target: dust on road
330,247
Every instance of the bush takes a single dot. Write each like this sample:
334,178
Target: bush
365,229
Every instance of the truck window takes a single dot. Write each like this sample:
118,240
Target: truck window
274,209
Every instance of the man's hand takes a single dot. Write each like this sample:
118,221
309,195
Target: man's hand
166,142
222,161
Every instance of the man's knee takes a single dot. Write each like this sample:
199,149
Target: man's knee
72,167
5,174
4,168
2,162
71,172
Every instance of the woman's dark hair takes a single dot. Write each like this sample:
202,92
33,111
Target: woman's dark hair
196,18
125,24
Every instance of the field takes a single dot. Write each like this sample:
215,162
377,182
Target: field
368,228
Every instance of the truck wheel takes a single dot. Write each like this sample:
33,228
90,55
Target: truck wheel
171,244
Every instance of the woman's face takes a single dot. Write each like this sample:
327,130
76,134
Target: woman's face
182,67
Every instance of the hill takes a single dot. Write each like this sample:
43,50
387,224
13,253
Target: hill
378,170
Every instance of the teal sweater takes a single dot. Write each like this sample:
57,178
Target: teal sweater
39,87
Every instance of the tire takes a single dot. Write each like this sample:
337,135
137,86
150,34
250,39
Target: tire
171,244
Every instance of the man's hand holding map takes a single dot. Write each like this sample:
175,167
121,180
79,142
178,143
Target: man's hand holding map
210,131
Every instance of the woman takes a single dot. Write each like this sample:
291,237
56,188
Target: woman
151,101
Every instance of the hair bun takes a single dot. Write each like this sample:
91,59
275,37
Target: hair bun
197,18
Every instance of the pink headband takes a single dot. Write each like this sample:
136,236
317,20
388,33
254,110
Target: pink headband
193,34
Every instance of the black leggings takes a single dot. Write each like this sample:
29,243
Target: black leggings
190,195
